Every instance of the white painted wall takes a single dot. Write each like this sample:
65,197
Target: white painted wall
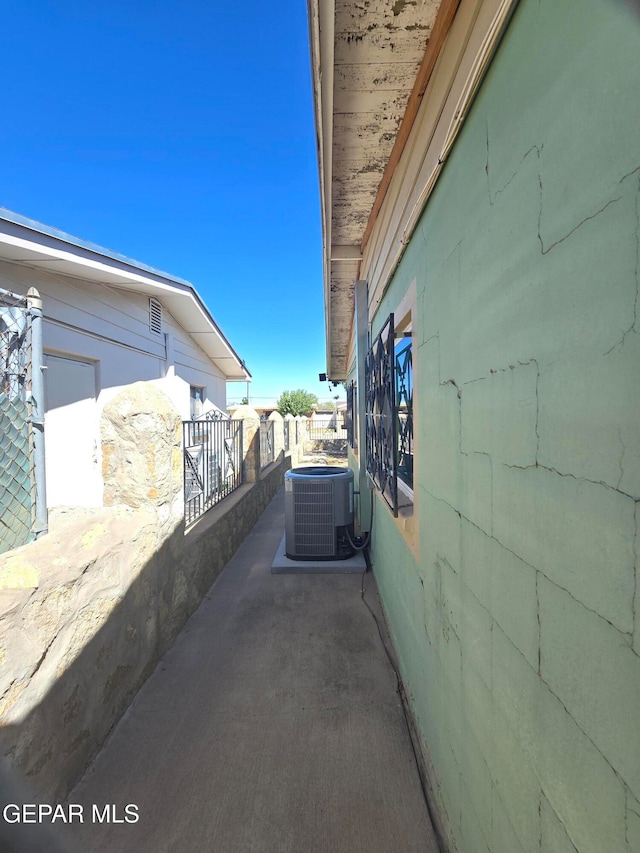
106,328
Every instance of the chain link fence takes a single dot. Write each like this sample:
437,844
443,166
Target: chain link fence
22,498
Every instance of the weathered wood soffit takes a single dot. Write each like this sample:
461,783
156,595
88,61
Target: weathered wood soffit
367,58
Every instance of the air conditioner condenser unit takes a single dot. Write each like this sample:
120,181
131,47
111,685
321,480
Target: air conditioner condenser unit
318,513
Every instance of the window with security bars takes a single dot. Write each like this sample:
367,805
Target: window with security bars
404,407
197,396
389,411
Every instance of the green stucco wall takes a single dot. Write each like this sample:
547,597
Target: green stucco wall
516,618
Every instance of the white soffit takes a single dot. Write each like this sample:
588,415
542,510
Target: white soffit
378,48
366,75
471,42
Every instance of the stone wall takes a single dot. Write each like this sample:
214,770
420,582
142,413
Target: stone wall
87,611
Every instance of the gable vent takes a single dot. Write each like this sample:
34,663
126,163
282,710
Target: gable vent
155,316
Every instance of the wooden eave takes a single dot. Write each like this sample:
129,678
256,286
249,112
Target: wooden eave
366,58
392,85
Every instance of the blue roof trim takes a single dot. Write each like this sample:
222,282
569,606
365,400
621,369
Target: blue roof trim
40,228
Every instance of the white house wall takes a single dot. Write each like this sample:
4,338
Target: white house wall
194,367
93,323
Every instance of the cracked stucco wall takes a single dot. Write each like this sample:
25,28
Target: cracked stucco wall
516,616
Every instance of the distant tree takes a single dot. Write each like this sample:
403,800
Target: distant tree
296,403
328,405
244,401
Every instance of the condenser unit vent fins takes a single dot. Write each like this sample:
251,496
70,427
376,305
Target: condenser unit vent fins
155,316
318,503
314,526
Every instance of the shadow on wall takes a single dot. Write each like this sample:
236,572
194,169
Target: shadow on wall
107,592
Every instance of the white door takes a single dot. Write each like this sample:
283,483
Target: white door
71,433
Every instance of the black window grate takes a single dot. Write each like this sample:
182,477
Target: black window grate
389,412
404,410
380,402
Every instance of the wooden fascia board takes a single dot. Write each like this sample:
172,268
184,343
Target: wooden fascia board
442,23
473,38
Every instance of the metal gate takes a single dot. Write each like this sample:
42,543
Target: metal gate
22,477
212,463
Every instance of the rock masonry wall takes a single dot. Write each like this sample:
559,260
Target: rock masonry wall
87,611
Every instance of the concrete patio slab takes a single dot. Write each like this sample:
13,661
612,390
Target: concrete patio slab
273,724
283,565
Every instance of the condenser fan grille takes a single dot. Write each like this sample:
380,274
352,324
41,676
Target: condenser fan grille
314,529
318,512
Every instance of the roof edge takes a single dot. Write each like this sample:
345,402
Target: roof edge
180,286
49,231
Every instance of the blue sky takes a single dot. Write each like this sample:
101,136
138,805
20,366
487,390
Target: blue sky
180,134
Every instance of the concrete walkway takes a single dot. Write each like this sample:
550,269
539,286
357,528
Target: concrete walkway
273,724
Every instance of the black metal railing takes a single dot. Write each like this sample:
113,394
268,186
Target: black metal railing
212,463
267,450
